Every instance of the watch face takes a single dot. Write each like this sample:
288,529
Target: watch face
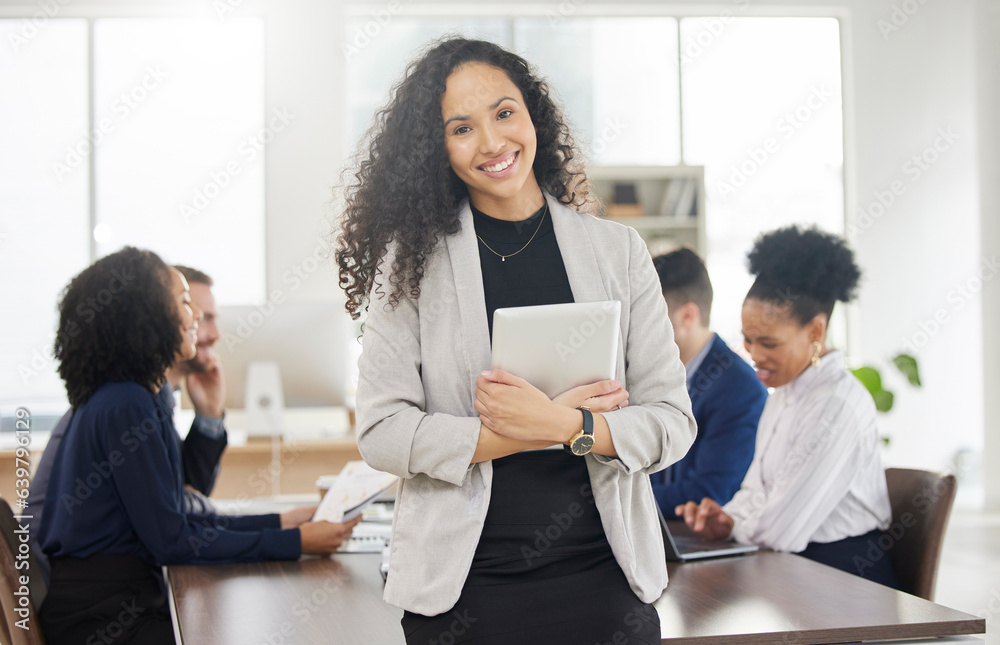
582,445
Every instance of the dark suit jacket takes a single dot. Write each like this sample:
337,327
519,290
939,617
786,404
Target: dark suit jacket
727,400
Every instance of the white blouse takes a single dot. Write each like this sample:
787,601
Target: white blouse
817,473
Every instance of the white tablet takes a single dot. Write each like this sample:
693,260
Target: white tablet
558,347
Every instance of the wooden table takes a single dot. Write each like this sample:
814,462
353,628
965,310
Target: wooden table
765,598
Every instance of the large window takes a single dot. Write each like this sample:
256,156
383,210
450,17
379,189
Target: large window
147,132
44,215
755,100
762,113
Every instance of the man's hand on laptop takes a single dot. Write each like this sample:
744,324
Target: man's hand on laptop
706,519
602,396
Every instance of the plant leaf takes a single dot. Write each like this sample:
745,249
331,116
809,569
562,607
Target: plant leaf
908,366
870,378
883,400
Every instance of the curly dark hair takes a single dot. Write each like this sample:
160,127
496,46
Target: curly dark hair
118,322
808,270
403,189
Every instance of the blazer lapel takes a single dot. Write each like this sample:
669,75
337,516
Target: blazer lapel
578,253
463,251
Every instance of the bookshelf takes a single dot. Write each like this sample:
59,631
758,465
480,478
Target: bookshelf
669,208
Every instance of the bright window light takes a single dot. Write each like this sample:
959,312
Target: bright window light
181,168
44,220
762,113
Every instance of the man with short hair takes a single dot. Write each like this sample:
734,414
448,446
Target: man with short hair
206,386
726,396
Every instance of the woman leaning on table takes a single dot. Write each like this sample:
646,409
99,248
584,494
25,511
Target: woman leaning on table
463,202
816,486
114,509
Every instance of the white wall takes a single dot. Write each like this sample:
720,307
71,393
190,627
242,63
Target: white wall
988,107
908,89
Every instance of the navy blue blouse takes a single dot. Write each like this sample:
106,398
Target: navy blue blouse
117,485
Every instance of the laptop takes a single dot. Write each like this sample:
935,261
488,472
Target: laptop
685,548
558,347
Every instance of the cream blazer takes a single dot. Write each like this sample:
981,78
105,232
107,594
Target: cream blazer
415,414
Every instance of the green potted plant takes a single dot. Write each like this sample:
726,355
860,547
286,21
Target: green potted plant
871,378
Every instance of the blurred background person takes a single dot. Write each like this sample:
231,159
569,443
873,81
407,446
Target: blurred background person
202,447
816,486
114,505
204,381
726,396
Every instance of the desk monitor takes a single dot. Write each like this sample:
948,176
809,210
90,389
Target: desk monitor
558,347
309,342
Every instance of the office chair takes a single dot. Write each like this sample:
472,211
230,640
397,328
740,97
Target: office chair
927,498
10,584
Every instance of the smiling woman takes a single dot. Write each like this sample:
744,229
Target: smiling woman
491,144
114,509
816,485
462,204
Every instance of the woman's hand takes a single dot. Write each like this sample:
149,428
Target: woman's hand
324,538
706,519
602,396
512,407
297,516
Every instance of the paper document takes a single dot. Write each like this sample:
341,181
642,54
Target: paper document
356,488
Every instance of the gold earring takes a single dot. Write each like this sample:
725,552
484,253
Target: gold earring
817,348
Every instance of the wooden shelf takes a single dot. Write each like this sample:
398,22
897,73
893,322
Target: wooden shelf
656,192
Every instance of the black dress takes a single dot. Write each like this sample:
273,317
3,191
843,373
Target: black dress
543,571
